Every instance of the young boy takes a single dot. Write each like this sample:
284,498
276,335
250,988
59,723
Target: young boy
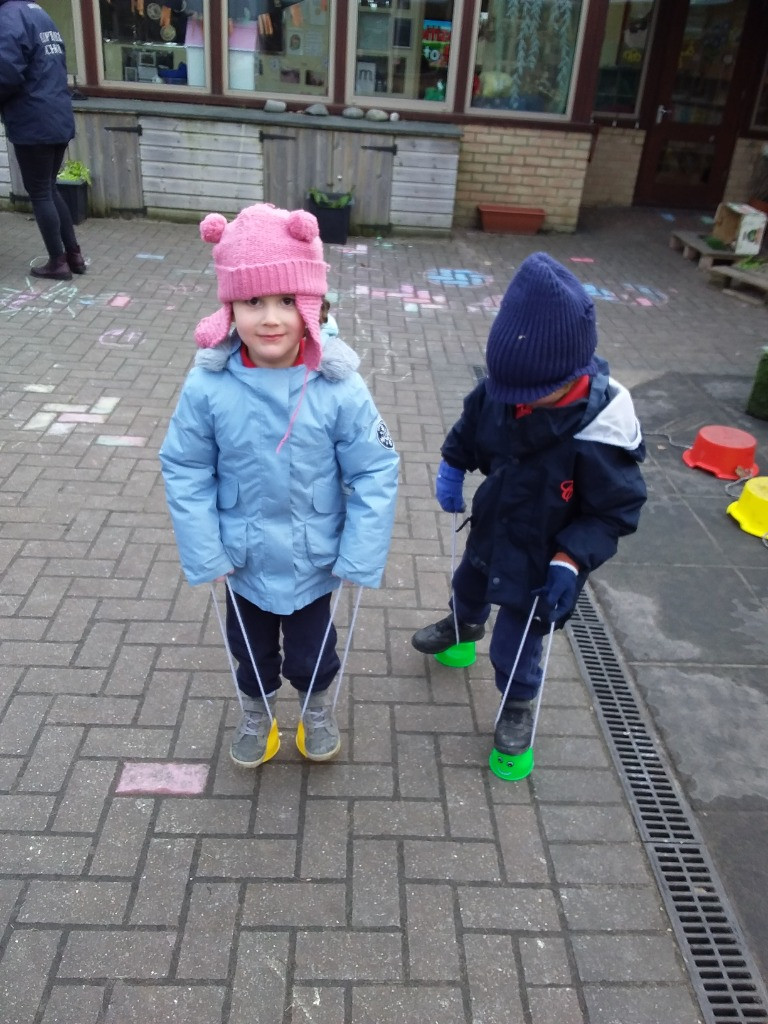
559,444
280,473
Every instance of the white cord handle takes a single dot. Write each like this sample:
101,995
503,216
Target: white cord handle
543,671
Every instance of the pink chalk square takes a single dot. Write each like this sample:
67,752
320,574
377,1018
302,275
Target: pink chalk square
166,779
120,300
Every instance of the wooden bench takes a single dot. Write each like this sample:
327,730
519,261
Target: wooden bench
695,246
750,285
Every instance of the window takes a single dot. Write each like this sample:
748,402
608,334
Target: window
403,50
146,42
61,12
623,56
525,55
279,46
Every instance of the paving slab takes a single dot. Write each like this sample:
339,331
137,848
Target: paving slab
402,882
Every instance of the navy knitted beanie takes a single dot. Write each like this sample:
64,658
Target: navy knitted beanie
544,334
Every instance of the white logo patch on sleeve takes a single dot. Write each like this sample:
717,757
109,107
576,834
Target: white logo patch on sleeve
384,436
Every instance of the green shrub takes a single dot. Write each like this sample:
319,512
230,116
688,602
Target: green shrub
74,170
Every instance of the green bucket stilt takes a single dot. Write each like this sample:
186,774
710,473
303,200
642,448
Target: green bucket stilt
511,767
458,656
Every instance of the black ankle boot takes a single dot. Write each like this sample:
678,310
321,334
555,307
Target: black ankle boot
75,261
57,269
439,636
514,727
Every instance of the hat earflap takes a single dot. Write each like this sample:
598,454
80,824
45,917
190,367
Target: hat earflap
214,329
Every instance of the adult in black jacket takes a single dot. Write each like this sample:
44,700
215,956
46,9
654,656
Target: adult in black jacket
559,445
36,109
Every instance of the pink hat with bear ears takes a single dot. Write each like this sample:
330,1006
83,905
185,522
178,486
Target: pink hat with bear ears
266,251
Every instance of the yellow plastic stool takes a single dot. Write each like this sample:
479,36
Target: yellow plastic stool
750,510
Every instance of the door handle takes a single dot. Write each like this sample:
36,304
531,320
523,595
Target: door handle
661,111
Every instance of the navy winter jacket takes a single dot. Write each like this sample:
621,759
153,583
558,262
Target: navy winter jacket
557,479
35,103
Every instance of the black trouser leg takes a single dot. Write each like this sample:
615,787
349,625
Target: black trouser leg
39,166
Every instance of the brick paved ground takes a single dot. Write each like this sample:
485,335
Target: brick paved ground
402,883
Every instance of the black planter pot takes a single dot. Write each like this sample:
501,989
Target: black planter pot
75,195
333,221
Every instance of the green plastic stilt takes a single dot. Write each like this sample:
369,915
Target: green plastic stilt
458,656
511,767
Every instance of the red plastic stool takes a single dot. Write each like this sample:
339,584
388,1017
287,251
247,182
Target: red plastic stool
725,451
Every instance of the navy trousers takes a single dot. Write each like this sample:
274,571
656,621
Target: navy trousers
302,634
469,589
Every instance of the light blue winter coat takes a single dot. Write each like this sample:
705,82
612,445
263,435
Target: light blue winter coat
291,523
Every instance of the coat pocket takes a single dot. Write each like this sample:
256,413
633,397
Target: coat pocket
232,525
324,524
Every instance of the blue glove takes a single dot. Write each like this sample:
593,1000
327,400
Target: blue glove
557,598
448,488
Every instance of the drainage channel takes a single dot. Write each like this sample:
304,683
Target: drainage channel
723,974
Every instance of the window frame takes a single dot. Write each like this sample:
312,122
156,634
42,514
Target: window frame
484,113
397,103
146,90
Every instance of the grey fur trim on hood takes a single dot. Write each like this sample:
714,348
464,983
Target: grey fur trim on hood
337,362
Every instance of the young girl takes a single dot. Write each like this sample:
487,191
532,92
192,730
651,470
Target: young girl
280,474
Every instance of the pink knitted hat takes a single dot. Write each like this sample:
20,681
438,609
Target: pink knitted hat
266,251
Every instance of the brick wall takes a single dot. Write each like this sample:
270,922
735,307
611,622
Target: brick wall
612,171
522,167
745,157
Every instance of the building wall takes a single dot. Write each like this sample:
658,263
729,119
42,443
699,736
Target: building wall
612,171
522,167
745,158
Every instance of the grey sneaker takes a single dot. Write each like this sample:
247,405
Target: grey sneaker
249,744
321,731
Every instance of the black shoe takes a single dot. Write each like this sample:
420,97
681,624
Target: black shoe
57,269
514,728
441,635
75,261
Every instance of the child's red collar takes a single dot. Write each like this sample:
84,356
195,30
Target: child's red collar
579,390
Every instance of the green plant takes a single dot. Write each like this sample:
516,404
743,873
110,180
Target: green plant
74,170
331,200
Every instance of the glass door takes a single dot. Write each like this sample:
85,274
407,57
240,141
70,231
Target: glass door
692,115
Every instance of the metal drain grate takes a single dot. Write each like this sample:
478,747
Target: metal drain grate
723,974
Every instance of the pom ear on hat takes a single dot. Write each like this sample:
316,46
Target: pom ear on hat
212,227
544,335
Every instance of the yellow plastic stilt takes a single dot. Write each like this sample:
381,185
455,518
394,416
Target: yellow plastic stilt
273,742
301,740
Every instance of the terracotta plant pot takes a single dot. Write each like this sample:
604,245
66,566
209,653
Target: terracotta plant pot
510,220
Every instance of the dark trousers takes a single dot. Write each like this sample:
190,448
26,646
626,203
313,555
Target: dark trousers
469,590
39,166
303,633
